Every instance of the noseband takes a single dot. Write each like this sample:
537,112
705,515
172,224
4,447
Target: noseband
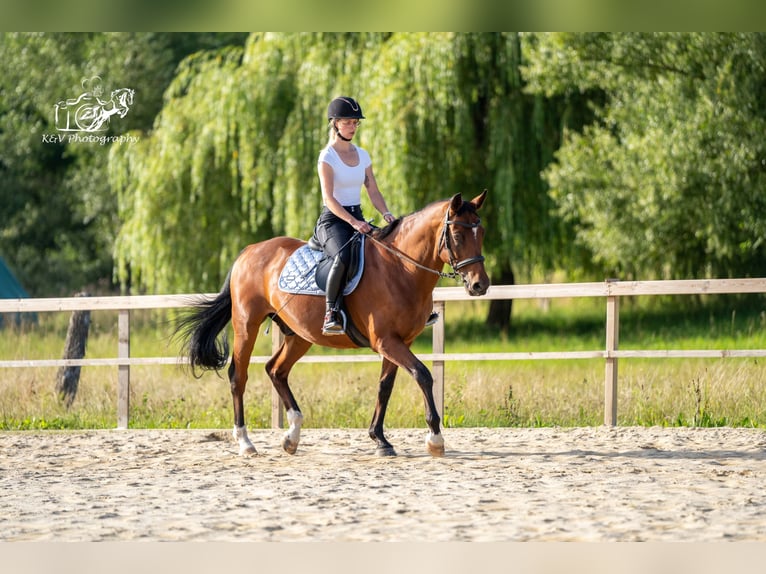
445,243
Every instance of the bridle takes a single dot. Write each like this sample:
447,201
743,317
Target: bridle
444,243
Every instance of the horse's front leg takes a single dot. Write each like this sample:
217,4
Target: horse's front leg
399,353
386,385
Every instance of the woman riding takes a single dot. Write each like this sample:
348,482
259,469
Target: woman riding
343,169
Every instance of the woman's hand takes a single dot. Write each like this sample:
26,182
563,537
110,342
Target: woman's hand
361,226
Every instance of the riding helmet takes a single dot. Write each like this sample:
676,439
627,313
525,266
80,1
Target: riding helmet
344,107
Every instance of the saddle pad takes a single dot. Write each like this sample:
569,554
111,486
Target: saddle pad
299,273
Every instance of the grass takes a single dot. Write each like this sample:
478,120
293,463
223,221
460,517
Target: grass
672,392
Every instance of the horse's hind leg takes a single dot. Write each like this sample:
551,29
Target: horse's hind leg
386,385
278,368
244,340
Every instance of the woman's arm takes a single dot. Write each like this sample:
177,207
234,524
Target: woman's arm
376,197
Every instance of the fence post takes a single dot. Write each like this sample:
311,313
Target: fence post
123,371
612,341
437,368
277,408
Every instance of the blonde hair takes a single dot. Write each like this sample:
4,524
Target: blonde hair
332,135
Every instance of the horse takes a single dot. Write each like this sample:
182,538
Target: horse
91,117
390,306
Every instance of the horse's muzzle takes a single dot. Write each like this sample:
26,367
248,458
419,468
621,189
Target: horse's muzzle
476,286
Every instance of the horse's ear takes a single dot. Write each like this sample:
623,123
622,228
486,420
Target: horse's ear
479,199
455,203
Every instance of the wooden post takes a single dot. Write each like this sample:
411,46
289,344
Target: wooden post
277,408
68,378
437,369
612,341
123,371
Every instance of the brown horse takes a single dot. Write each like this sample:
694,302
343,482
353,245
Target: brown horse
390,306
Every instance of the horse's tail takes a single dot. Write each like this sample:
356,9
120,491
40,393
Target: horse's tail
199,330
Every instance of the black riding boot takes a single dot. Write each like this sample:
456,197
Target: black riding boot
333,320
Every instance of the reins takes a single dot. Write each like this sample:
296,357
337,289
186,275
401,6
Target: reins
444,241
408,259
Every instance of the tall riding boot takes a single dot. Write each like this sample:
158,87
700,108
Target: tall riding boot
333,321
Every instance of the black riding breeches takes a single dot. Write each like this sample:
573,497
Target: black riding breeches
335,235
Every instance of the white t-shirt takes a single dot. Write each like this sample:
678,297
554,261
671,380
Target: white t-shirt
347,180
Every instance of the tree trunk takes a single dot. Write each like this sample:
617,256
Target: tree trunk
499,315
68,378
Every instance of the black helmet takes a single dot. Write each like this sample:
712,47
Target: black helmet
344,107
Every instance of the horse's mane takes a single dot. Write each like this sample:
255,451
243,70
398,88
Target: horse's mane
384,232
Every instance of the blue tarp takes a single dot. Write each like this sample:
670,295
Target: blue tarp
10,288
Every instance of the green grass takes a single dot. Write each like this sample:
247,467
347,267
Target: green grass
672,392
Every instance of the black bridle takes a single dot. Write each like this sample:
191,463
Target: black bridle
445,243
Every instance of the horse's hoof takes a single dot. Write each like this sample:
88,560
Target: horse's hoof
385,451
435,444
247,451
289,446
246,447
436,449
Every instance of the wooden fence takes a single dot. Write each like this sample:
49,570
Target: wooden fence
611,291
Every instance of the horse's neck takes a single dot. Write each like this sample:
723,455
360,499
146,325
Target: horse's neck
418,236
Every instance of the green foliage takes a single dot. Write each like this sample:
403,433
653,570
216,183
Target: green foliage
668,182
660,175
58,215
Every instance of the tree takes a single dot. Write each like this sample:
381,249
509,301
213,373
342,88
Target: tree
668,181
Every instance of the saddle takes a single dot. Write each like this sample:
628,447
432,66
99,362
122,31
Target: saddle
306,271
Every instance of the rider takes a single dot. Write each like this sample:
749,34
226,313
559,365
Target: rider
343,169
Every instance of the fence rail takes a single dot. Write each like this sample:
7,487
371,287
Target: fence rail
610,290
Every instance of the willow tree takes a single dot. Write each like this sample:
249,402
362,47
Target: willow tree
456,117
232,158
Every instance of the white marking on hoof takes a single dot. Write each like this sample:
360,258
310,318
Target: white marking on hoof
292,437
245,446
435,444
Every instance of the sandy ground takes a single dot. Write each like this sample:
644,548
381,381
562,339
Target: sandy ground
583,484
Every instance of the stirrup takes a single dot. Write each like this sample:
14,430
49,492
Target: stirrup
432,319
334,323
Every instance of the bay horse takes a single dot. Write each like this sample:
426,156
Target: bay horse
390,307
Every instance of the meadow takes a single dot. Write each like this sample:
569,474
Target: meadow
529,393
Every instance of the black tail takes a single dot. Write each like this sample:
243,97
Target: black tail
198,332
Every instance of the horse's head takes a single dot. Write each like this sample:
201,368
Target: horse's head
461,241
122,99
